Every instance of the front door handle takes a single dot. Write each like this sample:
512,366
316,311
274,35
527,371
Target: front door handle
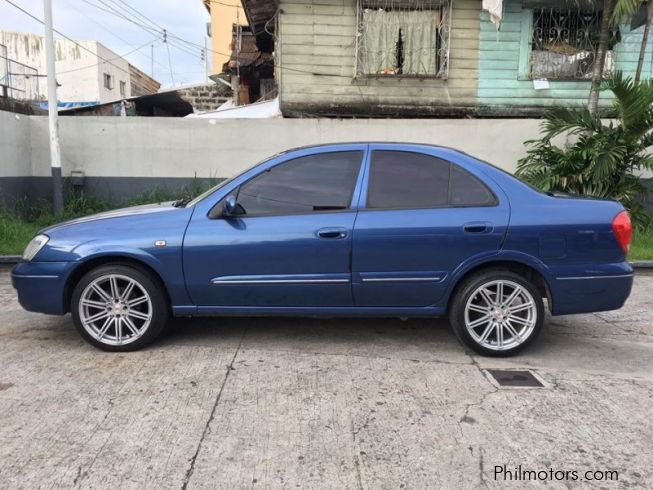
477,227
332,233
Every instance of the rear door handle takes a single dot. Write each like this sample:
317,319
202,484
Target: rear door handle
478,227
332,233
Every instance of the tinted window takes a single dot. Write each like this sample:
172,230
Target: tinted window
401,179
320,182
467,190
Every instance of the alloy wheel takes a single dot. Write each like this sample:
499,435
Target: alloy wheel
115,309
500,315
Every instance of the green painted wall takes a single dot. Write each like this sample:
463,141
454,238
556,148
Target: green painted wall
504,85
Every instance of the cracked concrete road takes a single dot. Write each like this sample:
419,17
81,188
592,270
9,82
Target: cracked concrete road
332,403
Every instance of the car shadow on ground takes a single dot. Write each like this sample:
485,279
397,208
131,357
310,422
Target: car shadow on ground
419,338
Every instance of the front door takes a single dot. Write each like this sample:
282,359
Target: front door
420,218
289,245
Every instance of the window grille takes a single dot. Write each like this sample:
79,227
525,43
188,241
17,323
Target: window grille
564,43
403,38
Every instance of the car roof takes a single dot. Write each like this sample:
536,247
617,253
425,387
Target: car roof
392,143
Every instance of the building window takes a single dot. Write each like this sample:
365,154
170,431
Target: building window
123,89
108,81
403,38
564,43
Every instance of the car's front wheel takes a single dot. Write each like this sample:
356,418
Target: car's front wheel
119,308
497,312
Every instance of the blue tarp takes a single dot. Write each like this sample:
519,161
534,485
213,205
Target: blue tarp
69,105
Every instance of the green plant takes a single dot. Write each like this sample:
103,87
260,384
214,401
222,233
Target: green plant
20,222
642,246
603,159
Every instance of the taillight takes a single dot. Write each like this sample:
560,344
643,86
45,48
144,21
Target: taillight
623,230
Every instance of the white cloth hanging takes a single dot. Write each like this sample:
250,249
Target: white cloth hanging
495,8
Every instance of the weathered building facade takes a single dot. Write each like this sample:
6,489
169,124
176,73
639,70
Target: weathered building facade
421,58
87,71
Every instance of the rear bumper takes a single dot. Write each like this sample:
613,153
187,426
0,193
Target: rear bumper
592,288
41,286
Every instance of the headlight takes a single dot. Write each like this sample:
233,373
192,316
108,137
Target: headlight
34,246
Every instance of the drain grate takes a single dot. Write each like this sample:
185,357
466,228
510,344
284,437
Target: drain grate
506,377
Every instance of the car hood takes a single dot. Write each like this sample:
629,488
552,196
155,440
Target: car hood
116,213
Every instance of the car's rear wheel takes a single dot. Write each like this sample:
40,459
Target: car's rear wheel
119,308
497,312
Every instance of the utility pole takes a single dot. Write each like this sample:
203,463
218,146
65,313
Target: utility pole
206,59
152,52
53,115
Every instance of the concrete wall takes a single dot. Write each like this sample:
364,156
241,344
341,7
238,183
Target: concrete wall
168,147
124,156
15,145
207,97
15,156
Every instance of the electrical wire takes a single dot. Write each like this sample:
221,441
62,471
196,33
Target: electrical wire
138,13
123,40
65,36
148,28
172,77
226,4
111,59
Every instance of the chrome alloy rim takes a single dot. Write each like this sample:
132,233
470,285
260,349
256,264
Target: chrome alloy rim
500,315
115,309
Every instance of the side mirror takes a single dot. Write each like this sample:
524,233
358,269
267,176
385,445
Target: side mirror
230,206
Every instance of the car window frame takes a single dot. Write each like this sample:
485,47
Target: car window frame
352,206
451,164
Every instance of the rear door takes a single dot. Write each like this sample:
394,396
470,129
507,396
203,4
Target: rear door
420,217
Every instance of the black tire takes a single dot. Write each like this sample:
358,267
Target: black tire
160,310
470,285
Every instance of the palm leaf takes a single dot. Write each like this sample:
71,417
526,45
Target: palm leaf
623,10
602,159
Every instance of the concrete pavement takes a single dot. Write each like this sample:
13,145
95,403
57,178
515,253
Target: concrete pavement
330,403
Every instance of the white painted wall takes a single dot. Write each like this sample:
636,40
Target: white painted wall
163,148
118,69
15,145
170,147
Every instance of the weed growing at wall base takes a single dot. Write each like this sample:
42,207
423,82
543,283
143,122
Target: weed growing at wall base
20,222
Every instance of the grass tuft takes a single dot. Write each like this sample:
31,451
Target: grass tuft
642,246
20,223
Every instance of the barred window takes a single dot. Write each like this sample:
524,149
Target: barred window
564,43
403,38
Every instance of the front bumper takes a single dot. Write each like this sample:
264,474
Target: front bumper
41,286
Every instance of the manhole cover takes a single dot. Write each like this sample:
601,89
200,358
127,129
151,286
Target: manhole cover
505,377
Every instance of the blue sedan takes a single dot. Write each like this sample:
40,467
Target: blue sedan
369,229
